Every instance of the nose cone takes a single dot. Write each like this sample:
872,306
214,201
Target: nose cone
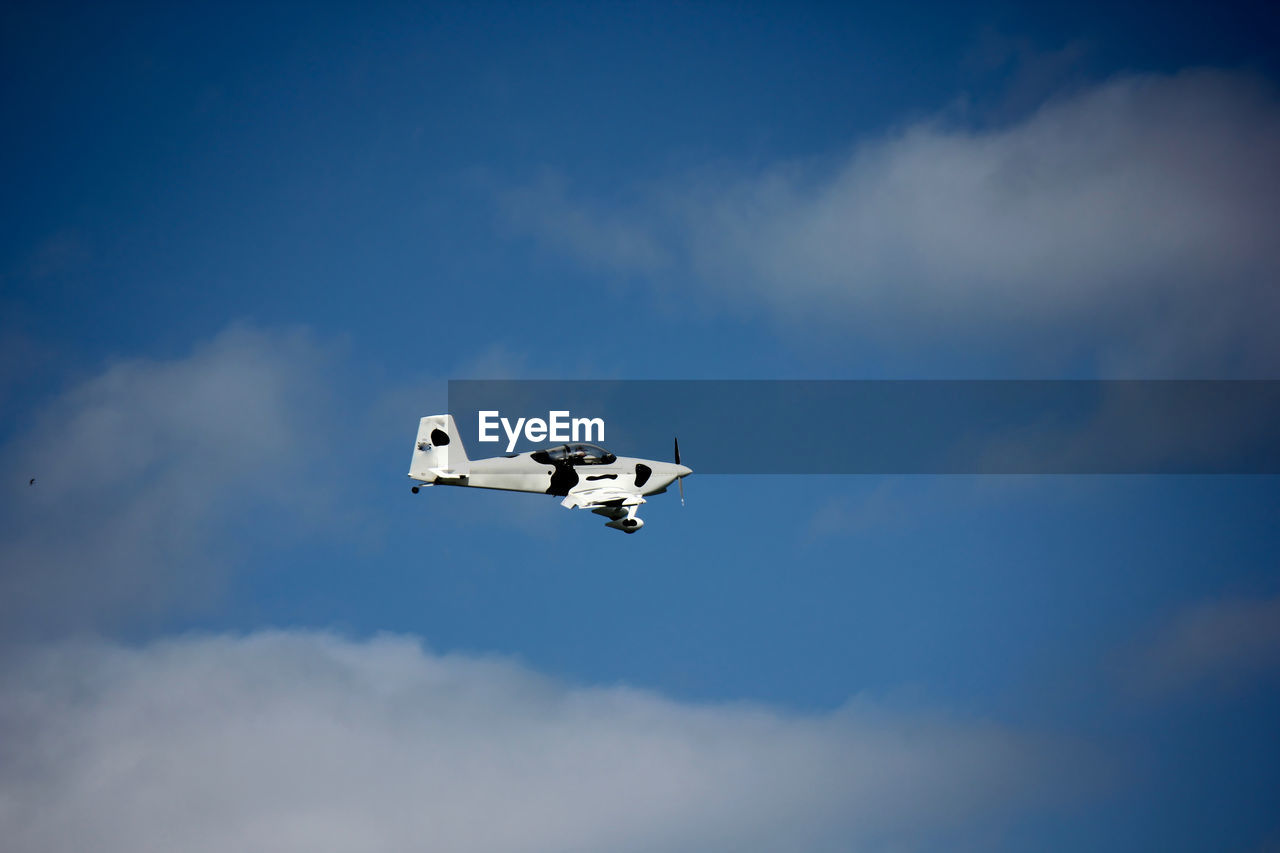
683,471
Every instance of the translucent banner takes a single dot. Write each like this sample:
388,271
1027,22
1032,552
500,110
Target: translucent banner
889,427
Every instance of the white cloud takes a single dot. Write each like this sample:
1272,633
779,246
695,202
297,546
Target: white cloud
304,741
1222,645
137,467
1133,223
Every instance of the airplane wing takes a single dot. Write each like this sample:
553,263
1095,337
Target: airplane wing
602,497
617,505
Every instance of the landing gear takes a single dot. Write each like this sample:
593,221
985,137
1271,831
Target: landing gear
627,523
414,489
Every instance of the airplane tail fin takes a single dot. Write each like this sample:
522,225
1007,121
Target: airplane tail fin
438,452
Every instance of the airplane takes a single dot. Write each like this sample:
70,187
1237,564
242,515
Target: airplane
586,476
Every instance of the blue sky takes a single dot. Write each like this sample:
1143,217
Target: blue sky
243,251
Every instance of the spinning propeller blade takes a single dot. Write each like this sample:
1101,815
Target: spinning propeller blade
679,480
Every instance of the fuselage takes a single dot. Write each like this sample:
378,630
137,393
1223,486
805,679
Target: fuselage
537,472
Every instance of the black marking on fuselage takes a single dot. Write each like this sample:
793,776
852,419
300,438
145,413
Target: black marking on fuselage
602,477
439,437
643,473
563,478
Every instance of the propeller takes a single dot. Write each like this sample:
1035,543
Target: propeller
679,480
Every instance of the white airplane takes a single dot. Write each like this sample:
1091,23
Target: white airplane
584,475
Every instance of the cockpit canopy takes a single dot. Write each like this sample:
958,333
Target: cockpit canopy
574,454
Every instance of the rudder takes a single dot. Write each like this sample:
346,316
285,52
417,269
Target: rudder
438,451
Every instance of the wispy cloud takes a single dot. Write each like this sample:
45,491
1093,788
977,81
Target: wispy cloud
601,241
1228,645
1132,223
138,467
303,741
56,255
